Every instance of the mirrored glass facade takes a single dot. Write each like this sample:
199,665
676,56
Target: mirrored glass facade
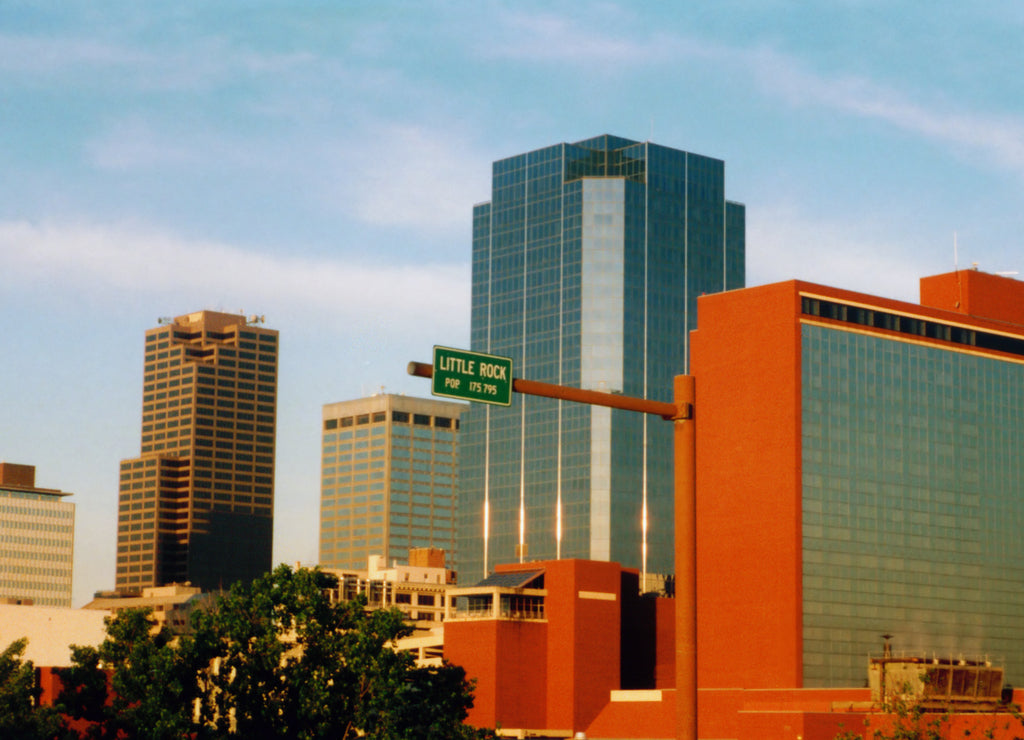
587,263
912,505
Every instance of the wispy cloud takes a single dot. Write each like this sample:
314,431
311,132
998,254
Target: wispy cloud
135,143
44,55
587,40
380,173
998,138
785,243
552,37
409,176
115,263
207,62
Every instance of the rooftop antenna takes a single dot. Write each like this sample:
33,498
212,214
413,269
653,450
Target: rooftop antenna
956,271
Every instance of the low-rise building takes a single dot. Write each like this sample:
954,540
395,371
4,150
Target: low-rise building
560,647
419,589
171,606
50,631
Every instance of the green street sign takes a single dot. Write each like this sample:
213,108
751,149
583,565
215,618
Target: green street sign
472,376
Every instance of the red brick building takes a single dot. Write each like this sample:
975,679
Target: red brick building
558,647
858,474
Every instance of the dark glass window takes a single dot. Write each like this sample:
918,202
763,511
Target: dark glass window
912,326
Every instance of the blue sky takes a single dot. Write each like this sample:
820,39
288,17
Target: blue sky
317,162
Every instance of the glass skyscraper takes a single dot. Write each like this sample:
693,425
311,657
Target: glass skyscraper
587,263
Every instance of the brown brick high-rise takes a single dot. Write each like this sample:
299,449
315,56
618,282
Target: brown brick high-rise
197,504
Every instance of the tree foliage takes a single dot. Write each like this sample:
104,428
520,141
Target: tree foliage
20,716
272,659
902,718
294,665
137,684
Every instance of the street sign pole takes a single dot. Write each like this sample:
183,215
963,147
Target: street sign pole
681,413
685,453
667,411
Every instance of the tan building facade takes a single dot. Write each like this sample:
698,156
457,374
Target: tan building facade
197,505
420,589
51,631
37,540
389,478
170,606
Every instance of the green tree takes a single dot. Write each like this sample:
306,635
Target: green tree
290,664
21,717
271,659
137,684
84,689
909,720
155,681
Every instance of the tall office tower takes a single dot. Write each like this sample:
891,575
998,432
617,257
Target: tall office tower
37,540
587,264
859,473
389,478
197,505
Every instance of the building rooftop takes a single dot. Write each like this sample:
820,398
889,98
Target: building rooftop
17,477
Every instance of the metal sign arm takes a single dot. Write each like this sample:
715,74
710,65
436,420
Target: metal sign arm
663,409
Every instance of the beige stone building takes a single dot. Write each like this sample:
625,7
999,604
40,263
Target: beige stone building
51,631
389,478
37,540
420,589
170,606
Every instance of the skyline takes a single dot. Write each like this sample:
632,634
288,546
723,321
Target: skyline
318,165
